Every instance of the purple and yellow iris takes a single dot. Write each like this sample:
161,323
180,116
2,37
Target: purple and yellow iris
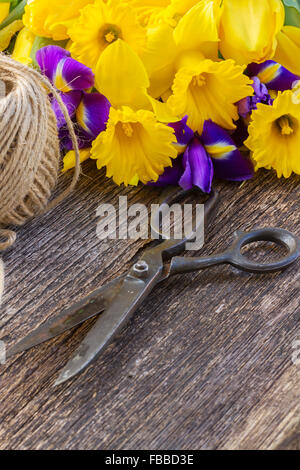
273,75
90,118
65,73
89,111
214,153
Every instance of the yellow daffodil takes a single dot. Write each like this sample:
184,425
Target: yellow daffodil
206,90
274,135
4,10
8,32
248,29
288,48
136,145
23,46
51,18
99,25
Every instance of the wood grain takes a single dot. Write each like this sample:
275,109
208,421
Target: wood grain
206,363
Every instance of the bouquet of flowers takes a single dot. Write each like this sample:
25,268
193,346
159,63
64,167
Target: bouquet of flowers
168,91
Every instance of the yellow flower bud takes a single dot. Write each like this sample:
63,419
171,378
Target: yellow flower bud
248,29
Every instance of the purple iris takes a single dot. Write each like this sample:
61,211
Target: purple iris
88,111
261,95
273,75
214,153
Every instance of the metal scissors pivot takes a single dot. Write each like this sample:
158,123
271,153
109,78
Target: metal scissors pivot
119,299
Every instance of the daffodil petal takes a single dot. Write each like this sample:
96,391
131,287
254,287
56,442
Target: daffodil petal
4,10
122,77
149,11
8,32
198,27
23,46
51,19
160,61
156,57
288,48
162,111
70,158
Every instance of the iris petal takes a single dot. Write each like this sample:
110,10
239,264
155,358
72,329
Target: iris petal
72,75
65,73
198,168
229,163
92,113
48,58
171,174
273,75
183,132
84,140
71,101
261,95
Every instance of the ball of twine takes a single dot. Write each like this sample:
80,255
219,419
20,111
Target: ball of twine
29,148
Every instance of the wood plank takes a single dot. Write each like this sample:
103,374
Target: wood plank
204,364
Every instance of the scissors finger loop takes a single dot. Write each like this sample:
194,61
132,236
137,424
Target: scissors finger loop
279,236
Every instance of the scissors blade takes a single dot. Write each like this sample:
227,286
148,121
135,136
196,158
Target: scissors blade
86,308
130,296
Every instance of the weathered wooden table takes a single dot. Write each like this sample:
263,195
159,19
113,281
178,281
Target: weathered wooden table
206,363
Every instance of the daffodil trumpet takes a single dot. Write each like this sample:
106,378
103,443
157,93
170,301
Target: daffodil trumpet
274,135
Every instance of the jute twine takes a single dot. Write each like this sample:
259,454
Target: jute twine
29,149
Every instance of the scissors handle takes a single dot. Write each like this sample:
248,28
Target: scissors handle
235,257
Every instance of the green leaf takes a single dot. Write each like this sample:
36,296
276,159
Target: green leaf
292,12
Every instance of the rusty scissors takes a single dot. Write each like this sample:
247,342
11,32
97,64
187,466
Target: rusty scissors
120,298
